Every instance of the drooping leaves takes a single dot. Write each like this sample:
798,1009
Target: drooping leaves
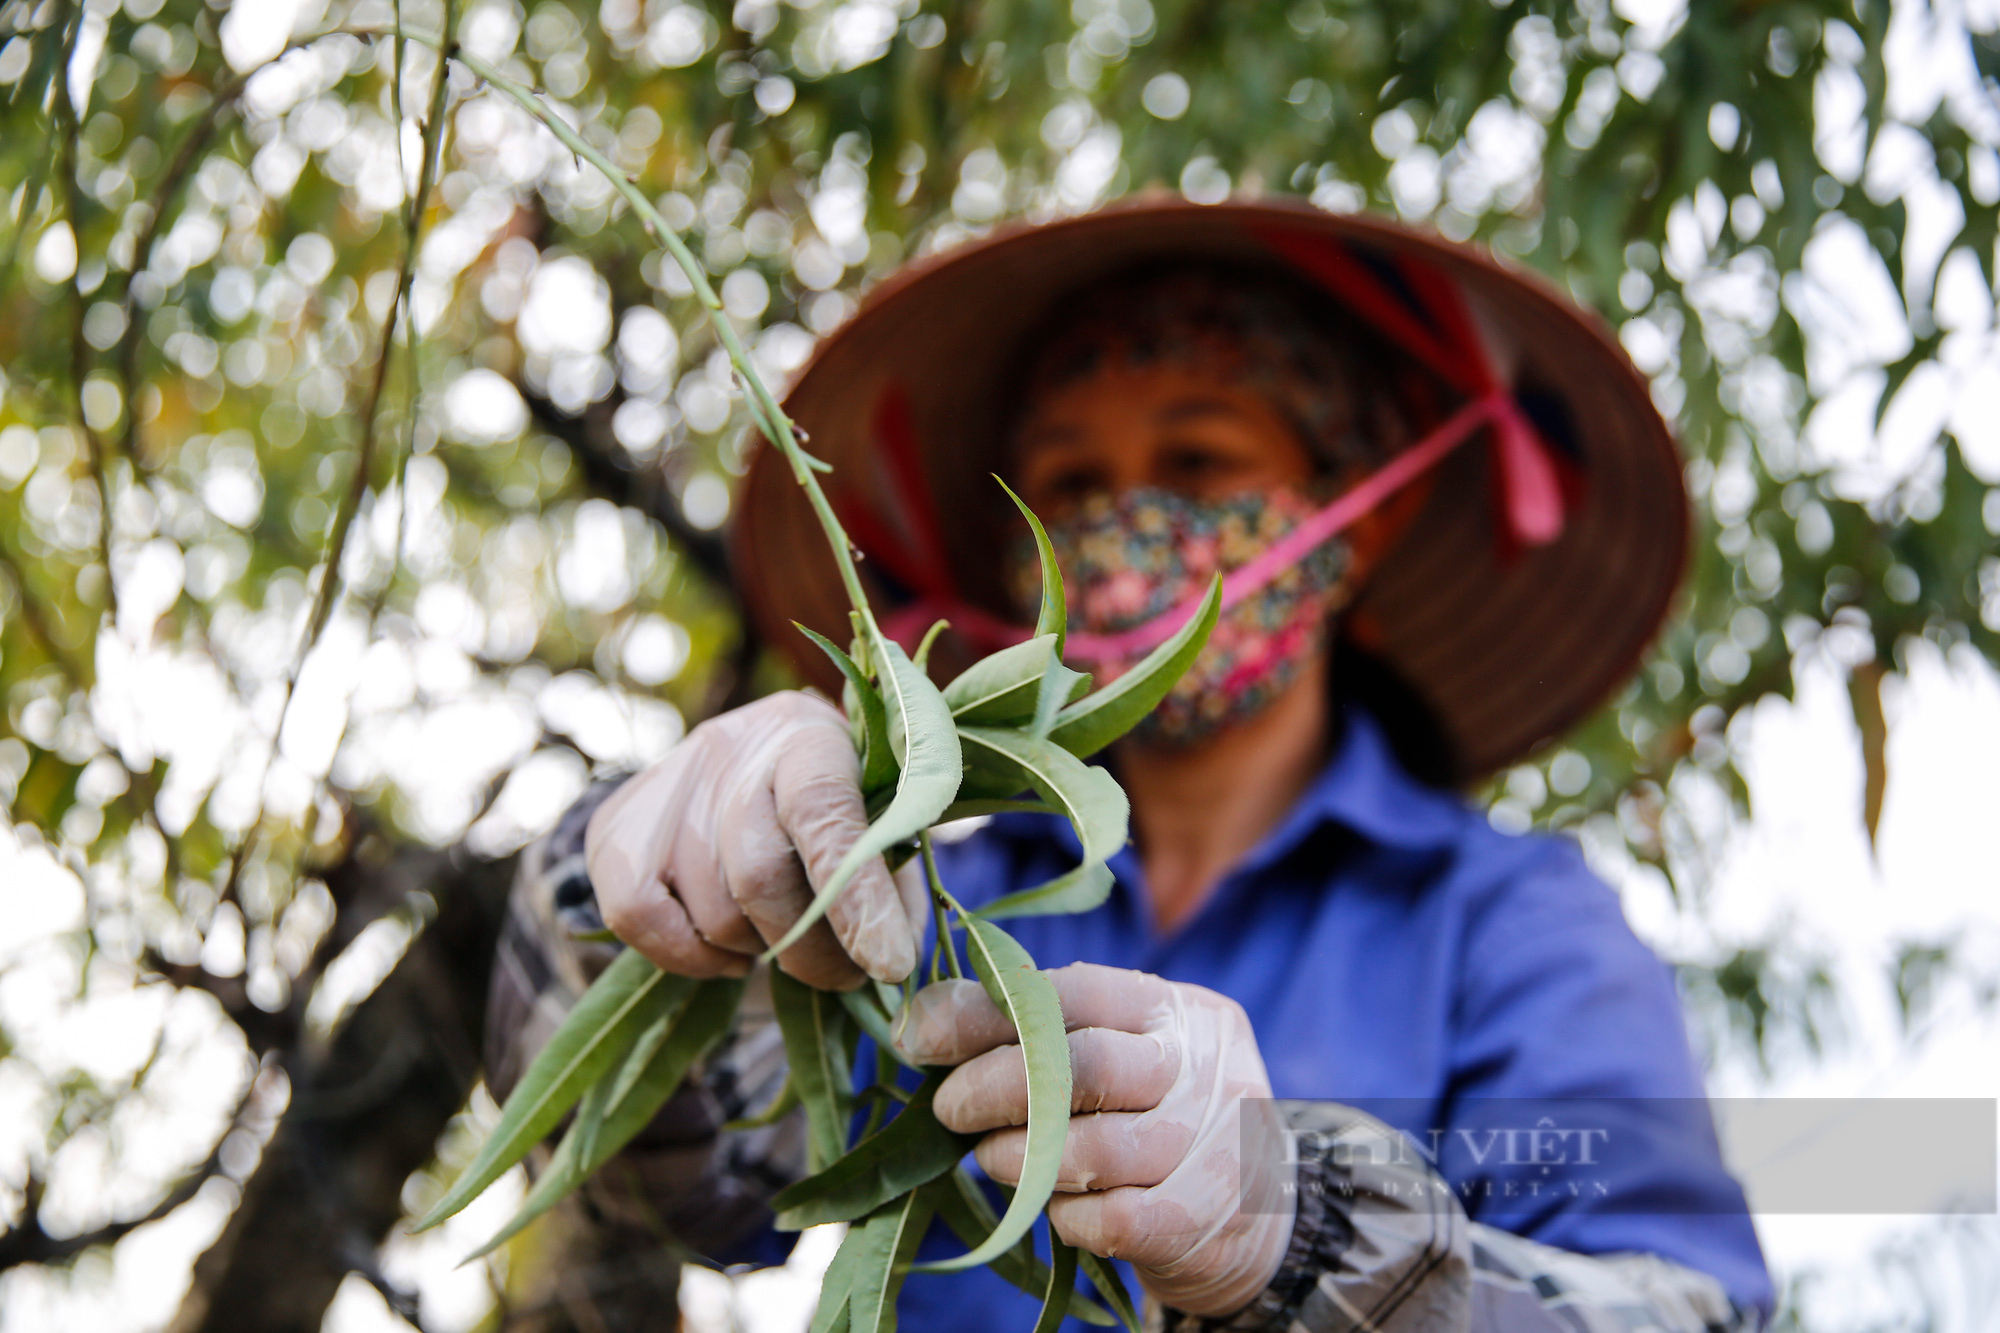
607,1021
1028,998
882,1245
814,1028
617,1109
1104,1277
1081,890
1090,724
964,1208
1062,1280
926,747
878,763
1089,797
911,1150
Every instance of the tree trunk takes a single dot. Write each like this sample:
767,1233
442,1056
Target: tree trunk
364,1113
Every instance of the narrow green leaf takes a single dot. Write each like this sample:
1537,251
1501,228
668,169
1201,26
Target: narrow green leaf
1090,797
922,659
873,1019
1058,686
608,1018
813,1024
910,1151
1081,890
1028,998
888,1240
925,744
779,1107
878,764
1062,1281
1054,616
1103,1275
994,805
650,1074
965,1210
1002,687
830,1314
1087,726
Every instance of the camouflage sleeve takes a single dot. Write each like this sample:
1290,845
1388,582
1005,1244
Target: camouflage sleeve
683,1176
1383,1245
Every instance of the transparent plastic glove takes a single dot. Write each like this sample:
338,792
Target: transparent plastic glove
710,855
1153,1170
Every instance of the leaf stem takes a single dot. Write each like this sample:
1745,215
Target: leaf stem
764,409
939,899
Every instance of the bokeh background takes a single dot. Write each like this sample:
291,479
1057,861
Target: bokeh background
317,603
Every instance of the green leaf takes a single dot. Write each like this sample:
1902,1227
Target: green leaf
814,1028
614,1110
1090,797
1110,1287
872,1019
1089,725
1028,998
1054,616
878,763
1062,1281
888,1240
926,746
965,1210
911,1150
1058,686
830,1314
609,1018
1081,890
780,1106
994,805
922,659
1002,687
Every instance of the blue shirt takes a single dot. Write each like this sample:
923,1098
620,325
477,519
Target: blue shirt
1395,952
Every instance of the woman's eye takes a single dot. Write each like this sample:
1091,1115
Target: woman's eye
1195,464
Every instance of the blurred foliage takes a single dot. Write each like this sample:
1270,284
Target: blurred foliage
203,211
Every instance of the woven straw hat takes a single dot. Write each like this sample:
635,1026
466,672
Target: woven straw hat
1542,563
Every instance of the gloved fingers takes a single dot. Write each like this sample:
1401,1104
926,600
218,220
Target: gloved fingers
1129,1222
655,922
949,1025
1095,996
949,1022
1110,1071
817,788
767,892
1102,1151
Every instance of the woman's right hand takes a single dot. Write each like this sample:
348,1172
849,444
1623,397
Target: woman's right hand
708,857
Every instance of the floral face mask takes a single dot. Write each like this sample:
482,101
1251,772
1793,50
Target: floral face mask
1129,557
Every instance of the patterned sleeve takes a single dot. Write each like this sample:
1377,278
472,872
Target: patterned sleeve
683,1175
1383,1245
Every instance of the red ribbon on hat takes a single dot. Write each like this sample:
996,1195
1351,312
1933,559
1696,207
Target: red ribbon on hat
1528,493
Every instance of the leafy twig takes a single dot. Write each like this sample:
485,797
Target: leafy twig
66,116
328,591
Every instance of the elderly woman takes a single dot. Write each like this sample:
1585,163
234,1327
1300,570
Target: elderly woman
1450,521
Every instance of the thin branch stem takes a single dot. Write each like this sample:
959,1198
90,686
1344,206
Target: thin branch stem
764,407
327,595
939,900
67,118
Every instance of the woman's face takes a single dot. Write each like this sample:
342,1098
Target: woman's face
1163,426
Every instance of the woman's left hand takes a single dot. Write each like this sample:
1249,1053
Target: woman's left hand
1154,1170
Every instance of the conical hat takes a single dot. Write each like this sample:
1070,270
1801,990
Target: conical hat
1507,642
